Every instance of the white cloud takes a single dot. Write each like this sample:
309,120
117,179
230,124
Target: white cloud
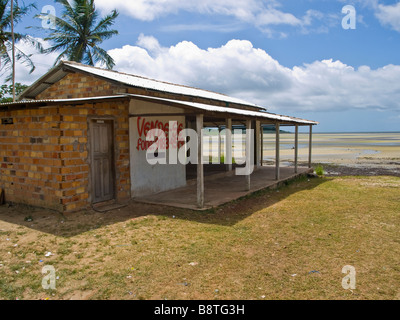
389,15
149,43
236,66
315,21
240,70
218,28
274,16
42,63
265,15
257,12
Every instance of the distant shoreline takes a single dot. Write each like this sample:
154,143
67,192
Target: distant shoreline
351,153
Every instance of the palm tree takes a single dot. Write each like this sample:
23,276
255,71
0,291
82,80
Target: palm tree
78,33
7,37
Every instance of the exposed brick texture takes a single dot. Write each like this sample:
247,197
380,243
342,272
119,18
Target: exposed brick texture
77,85
44,154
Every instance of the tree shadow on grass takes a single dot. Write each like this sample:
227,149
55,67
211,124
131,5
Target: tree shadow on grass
72,224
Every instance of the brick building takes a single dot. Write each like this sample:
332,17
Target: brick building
74,137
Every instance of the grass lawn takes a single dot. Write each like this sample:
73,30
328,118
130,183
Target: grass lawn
290,243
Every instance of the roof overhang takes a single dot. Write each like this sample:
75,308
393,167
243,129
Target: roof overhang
219,111
24,104
192,108
44,82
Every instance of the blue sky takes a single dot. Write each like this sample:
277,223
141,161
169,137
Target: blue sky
291,56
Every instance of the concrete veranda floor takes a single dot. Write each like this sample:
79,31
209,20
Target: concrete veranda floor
221,188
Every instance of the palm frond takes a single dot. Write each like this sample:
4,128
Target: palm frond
106,22
101,56
79,31
19,11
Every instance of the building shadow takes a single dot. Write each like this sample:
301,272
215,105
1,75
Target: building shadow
72,224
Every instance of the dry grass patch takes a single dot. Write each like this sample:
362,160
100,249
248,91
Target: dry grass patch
289,243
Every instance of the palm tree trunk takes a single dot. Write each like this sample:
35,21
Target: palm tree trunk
13,49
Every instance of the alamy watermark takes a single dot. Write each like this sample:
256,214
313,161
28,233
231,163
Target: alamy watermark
349,21
171,147
49,279
349,281
48,16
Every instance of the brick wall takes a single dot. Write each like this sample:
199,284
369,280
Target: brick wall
76,85
44,154
29,157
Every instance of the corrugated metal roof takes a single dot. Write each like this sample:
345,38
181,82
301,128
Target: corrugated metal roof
193,105
64,67
61,70
142,82
212,108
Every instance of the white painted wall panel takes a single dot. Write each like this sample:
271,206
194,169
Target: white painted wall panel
150,179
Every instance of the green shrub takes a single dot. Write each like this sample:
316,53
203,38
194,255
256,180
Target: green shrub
319,170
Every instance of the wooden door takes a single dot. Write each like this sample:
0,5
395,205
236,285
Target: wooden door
102,155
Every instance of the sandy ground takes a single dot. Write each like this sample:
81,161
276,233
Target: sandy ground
45,230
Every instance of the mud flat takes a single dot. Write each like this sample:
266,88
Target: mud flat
343,153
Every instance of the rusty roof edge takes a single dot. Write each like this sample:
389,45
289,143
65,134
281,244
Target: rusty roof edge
70,100
203,107
39,81
213,108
